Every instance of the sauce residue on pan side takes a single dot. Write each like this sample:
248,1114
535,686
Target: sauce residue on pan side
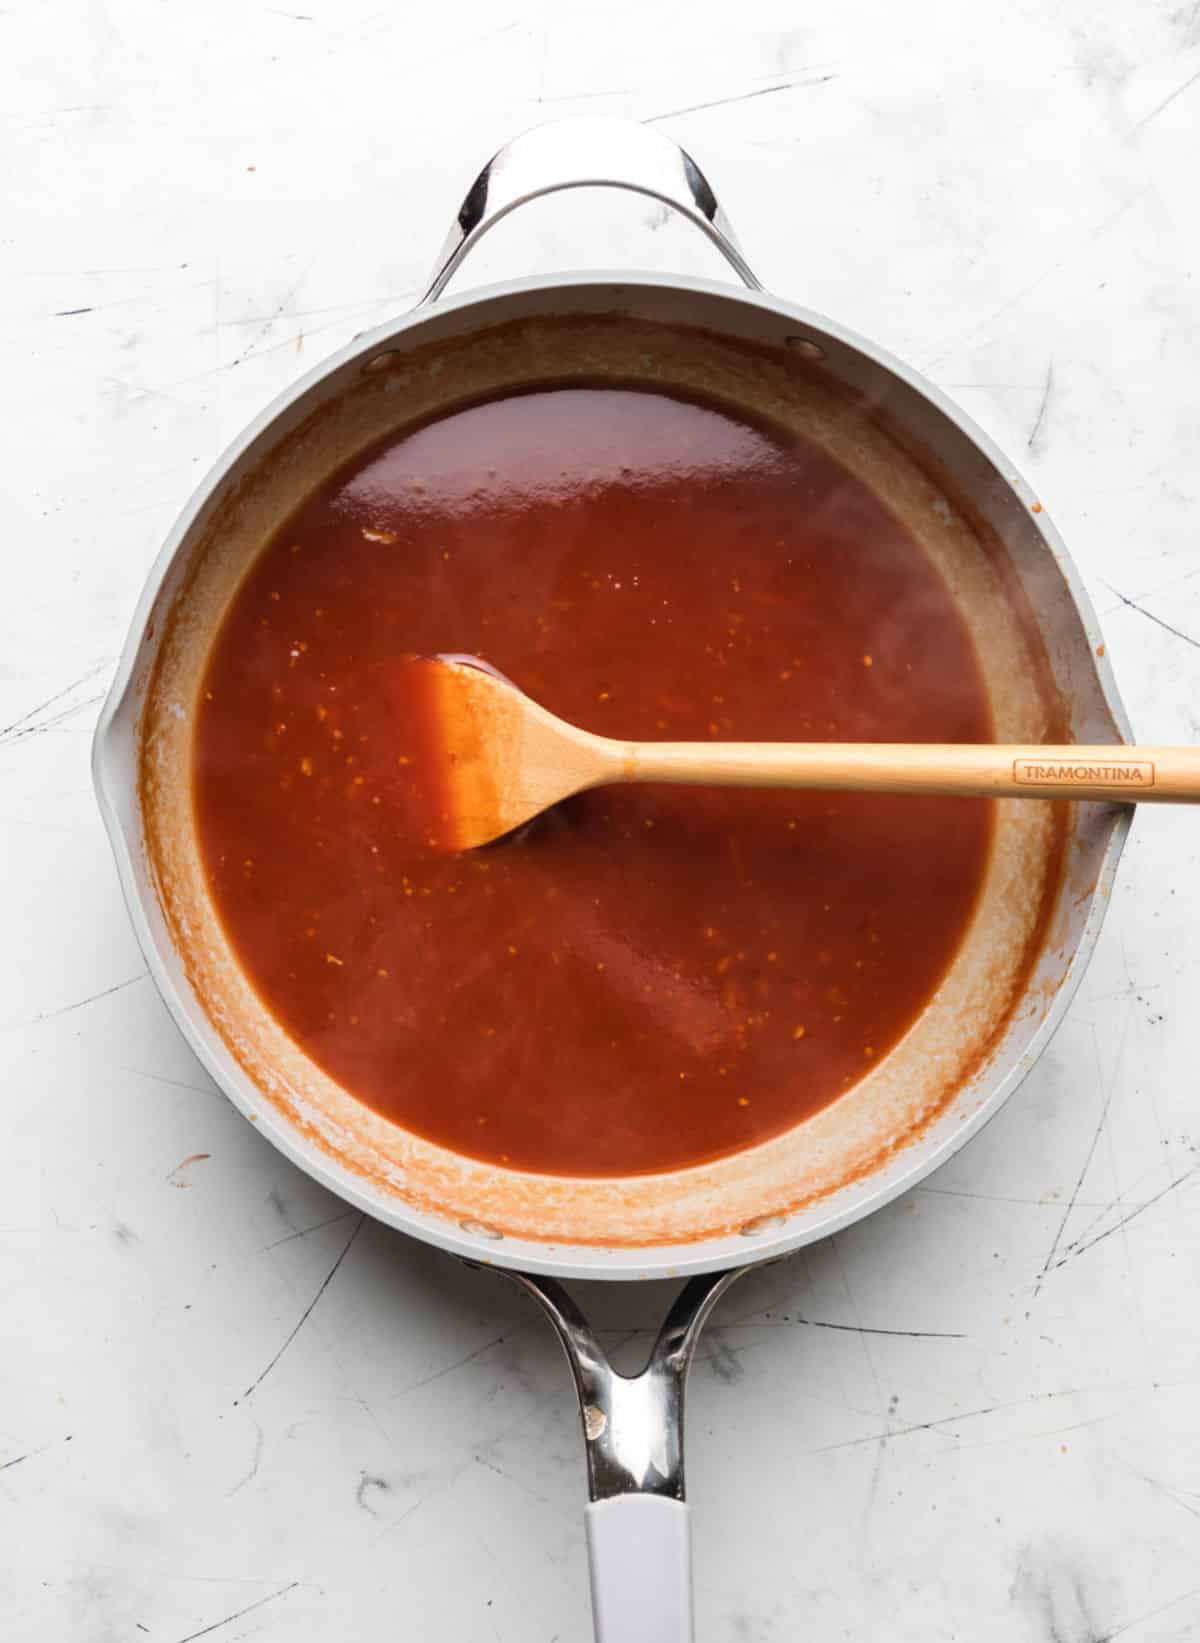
645,978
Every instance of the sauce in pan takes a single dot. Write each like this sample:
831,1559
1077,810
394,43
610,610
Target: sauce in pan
645,978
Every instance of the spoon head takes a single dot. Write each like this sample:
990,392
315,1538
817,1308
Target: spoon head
478,757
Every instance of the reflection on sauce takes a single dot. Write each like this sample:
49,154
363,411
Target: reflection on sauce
646,977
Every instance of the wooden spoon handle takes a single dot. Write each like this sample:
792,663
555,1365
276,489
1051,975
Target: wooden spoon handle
1141,774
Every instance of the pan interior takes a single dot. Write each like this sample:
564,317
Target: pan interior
944,1049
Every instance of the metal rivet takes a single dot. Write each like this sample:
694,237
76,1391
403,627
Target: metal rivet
763,1223
381,361
806,348
480,1229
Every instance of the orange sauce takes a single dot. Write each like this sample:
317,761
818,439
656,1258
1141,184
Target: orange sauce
646,977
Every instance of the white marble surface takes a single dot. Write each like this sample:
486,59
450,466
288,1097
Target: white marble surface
973,1417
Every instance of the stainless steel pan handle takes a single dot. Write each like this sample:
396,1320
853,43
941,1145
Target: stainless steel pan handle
587,153
639,1544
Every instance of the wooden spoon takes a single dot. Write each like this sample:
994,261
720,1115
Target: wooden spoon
493,759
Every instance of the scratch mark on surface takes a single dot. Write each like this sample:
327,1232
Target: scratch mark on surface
884,1409
279,312
32,1454
866,1329
1037,421
613,1340
787,1320
329,1221
451,1367
740,97
873,1486
51,723
307,1313
1131,989
1171,1494
1151,1614
66,313
174,1083
238,1613
389,302
254,1464
1113,1205
1150,616
343,310
1049,1263
28,1455
416,1507
1002,1198
947,1420
356,1397
1154,113
29,724
508,1478
1028,290
1079,1248
81,1003
1061,1431
1176,581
